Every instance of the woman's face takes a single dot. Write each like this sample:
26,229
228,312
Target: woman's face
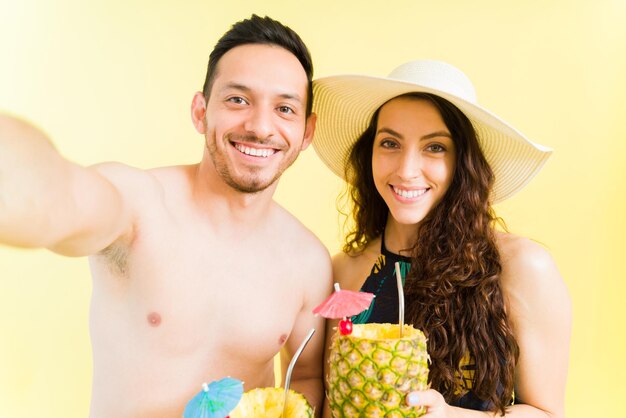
413,158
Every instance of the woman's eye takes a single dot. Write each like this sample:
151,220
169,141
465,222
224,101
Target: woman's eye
436,148
387,143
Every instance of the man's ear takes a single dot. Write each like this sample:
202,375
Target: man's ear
309,131
198,112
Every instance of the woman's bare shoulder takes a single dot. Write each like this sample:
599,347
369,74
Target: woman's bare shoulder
351,269
530,276
522,255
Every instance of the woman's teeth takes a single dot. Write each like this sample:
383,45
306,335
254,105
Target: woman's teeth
409,194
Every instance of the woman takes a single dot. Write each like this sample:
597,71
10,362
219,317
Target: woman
422,178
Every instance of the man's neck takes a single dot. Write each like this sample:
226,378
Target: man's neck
220,201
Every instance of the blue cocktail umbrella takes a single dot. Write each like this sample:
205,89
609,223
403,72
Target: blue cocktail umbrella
215,400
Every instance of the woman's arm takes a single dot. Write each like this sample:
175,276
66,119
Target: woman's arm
540,312
539,308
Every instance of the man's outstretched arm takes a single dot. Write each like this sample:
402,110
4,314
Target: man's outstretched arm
48,201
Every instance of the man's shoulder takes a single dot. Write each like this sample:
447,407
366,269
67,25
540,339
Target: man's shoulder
295,235
123,175
114,168
137,183
145,195
291,226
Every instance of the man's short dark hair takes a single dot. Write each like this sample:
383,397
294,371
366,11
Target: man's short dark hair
261,30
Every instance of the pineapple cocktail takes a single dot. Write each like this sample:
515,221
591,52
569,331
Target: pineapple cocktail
372,370
268,403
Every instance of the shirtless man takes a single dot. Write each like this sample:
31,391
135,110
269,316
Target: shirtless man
197,273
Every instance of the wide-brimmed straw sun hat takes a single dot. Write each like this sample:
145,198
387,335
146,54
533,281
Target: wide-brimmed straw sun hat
345,105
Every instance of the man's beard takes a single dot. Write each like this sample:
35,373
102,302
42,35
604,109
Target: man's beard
250,183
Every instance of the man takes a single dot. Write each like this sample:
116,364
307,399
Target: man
197,273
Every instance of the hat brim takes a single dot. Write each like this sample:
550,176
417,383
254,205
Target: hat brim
345,104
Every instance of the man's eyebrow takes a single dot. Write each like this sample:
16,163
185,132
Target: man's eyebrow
236,86
290,96
246,89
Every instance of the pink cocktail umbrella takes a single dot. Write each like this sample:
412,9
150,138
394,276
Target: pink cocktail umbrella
342,304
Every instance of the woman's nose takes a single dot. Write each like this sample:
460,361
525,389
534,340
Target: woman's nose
410,165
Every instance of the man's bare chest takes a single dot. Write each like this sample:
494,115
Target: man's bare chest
186,296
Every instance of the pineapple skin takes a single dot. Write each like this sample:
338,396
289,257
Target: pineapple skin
268,403
372,370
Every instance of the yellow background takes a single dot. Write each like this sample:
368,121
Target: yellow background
113,80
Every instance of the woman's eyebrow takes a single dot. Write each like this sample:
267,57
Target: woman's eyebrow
427,136
436,134
390,132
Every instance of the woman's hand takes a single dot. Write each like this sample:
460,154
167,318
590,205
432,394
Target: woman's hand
433,401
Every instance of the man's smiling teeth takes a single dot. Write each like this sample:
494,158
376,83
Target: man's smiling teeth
255,152
409,194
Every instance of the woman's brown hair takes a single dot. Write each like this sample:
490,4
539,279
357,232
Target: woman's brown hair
452,290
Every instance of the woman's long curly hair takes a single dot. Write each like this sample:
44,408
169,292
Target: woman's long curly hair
452,291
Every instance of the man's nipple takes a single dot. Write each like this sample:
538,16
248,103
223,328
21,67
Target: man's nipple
154,319
282,339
